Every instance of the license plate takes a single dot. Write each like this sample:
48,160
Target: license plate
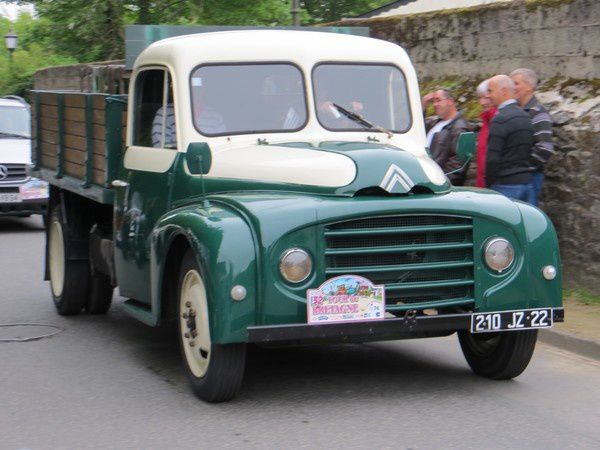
525,319
10,198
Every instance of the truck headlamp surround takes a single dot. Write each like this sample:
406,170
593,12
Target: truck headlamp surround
295,265
499,254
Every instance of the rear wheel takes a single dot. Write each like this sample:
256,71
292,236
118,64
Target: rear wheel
69,279
499,356
215,371
100,294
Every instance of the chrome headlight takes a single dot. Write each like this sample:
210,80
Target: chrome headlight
295,265
499,254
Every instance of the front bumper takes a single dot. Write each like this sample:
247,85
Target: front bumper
407,327
33,206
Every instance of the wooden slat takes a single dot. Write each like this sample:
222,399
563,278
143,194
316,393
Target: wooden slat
78,157
48,161
99,162
74,156
48,149
49,111
74,100
76,142
75,114
48,99
75,128
99,102
98,177
99,148
48,136
49,124
74,170
99,132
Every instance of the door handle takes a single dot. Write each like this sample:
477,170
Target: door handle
119,183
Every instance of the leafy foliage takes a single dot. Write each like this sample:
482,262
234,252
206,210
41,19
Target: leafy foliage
16,72
70,31
331,10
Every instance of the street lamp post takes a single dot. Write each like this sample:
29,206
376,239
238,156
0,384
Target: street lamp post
296,13
10,40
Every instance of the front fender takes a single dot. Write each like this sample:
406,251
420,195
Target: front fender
543,251
225,250
523,286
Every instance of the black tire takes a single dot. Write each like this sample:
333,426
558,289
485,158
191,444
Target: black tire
100,294
499,356
215,372
69,279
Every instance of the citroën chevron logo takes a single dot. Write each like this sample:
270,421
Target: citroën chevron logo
396,181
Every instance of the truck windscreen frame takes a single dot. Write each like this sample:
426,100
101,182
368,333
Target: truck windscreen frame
262,97
383,102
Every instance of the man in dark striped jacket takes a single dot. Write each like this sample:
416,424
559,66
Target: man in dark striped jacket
543,148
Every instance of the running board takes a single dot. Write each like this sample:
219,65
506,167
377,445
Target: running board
140,311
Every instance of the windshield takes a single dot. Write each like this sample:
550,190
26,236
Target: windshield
375,92
14,121
248,98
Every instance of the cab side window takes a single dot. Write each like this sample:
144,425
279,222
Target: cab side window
154,113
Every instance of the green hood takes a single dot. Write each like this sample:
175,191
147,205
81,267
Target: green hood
317,167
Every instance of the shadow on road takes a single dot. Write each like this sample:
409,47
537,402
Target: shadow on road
314,372
21,224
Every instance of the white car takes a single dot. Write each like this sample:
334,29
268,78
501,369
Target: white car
20,194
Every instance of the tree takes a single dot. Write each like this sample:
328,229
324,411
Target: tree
16,73
332,10
93,29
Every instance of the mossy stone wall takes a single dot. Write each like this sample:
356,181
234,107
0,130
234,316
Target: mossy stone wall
555,38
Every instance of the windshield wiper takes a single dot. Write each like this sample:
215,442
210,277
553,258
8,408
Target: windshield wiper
355,117
4,134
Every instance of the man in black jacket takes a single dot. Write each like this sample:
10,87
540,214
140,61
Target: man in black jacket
443,132
508,167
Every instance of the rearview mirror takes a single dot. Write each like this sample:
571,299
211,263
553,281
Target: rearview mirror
465,146
198,158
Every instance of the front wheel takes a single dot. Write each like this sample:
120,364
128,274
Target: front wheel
499,356
215,371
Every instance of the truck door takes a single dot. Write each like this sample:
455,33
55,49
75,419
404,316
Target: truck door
143,193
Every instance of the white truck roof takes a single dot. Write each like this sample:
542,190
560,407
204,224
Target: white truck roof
303,47
8,101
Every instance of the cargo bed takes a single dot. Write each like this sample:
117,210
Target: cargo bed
78,140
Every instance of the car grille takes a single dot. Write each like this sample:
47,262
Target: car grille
424,261
14,173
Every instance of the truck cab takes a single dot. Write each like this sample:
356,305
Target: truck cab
274,187
20,194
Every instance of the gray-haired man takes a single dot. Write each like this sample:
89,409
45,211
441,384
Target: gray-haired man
543,148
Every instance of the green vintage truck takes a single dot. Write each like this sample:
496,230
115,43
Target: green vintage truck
274,187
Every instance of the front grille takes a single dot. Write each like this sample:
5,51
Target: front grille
421,260
13,173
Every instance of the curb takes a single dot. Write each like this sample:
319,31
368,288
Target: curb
571,343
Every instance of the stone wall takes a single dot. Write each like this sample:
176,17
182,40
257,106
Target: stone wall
458,49
571,194
553,37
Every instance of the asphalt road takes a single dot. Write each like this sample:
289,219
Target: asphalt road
112,382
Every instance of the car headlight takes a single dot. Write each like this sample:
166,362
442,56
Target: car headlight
499,254
295,265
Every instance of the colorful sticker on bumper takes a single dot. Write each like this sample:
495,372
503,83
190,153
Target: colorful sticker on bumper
345,298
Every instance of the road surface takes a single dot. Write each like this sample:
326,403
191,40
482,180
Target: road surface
111,382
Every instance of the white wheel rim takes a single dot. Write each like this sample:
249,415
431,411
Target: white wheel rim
194,324
56,255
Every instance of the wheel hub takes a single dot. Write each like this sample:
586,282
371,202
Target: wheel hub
194,323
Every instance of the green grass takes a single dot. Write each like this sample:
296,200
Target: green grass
582,296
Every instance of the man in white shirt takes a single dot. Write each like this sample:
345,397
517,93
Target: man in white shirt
443,131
